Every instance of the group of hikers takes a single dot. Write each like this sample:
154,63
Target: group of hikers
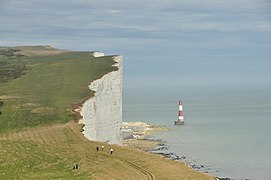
76,165
102,148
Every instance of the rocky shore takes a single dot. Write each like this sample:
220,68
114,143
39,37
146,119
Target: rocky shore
138,135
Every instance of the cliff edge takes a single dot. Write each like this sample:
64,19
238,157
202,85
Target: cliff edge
102,113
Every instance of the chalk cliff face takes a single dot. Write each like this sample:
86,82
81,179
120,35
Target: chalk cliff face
102,114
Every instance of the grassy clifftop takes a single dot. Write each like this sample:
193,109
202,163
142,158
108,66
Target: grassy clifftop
38,138
42,89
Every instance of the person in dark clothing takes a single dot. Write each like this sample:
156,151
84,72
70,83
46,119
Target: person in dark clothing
97,148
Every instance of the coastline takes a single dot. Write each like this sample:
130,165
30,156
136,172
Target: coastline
140,138
138,132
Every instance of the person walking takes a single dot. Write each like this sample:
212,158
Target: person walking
75,166
111,150
97,148
102,148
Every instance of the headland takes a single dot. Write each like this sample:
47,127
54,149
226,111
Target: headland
39,138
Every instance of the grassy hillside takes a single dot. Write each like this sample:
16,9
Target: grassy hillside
45,90
38,137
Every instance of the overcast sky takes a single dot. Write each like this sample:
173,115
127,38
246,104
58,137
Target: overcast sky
164,43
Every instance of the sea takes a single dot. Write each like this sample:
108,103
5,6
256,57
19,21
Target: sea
227,129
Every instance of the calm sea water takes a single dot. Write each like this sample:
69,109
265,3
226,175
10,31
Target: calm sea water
228,130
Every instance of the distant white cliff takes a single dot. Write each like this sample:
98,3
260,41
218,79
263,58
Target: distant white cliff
97,54
102,114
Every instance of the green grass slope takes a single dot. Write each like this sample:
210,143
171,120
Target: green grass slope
48,87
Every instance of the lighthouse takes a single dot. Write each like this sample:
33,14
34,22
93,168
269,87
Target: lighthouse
180,120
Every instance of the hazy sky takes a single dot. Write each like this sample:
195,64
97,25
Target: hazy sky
164,43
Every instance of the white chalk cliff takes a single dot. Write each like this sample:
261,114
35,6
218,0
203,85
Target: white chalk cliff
97,54
102,113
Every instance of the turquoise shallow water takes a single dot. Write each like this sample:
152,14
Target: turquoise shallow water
227,130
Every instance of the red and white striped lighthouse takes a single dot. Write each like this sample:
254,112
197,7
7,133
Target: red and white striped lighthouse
180,114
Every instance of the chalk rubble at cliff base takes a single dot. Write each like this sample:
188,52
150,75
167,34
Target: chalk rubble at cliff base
139,130
136,135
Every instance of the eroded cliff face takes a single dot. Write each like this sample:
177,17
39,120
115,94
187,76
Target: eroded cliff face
102,114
